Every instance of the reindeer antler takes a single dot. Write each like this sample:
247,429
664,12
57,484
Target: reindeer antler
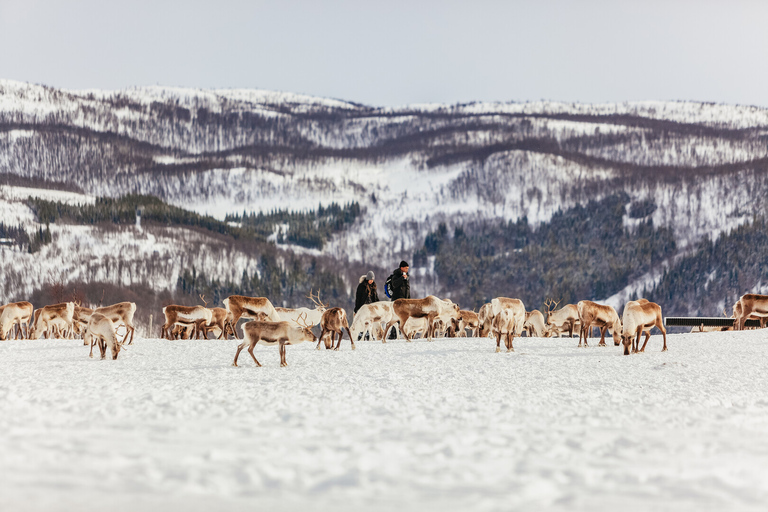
302,321
316,299
202,297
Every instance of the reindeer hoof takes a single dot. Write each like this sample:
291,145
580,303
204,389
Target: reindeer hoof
235,365
498,350
282,365
664,349
510,350
353,347
336,349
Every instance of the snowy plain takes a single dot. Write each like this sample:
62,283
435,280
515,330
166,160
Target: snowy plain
447,425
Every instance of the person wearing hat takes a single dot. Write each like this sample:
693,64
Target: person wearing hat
401,288
366,291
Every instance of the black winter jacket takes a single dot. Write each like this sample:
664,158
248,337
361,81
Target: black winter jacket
401,287
366,293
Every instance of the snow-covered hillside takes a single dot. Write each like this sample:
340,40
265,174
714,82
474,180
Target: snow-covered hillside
448,425
704,166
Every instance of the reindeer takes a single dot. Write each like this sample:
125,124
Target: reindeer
598,315
48,319
430,307
505,324
220,322
750,305
485,320
184,316
312,316
534,324
640,316
239,306
370,317
274,333
414,326
16,314
564,319
80,320
121,313
101,331
332,322
468,320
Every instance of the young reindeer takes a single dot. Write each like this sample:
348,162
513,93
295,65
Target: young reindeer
274,333
591,315
504,325
640,316
16,314
184,316
101,331
468,320
333,322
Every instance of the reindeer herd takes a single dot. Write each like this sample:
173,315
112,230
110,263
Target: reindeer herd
502,318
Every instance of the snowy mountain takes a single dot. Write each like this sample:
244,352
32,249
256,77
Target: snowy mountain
703,166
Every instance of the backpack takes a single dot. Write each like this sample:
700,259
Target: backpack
388,286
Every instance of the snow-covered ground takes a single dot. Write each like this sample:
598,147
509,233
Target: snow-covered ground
448,425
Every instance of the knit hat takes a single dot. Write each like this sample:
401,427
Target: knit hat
404,264
369,275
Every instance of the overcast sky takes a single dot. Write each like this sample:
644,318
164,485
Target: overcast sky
393,53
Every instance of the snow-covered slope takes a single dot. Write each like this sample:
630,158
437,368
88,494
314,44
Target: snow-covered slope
449,425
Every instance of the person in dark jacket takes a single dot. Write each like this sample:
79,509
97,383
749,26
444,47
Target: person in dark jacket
401,289
366,291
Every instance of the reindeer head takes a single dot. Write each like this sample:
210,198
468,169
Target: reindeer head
549,306
305,327
616,332
626,340
116,347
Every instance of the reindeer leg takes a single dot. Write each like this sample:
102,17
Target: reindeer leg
510,337
647,337
602,336
283,363
498,341
350,338
386,331
320,339
250,351
237,354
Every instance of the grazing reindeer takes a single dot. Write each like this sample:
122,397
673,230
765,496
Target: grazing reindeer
16,314
485,320
430,307
333,322
80,320
534,324
48,318
504,324
468,320
564,319
184,316
312,316
750,304
273,333
101,331
591,315
370,317
415,326
121,313
219,323
239,306
640,316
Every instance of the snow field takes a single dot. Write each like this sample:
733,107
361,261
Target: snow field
448,425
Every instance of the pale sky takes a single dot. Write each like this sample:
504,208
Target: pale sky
393,53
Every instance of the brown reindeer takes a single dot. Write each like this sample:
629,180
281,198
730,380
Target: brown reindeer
240,306
121,313
183,315
333,322
604,317
534,324
640,316
17,314
750,305
485,320
430,307
273,333
53,320
101,331
563,319
468,320
504,325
